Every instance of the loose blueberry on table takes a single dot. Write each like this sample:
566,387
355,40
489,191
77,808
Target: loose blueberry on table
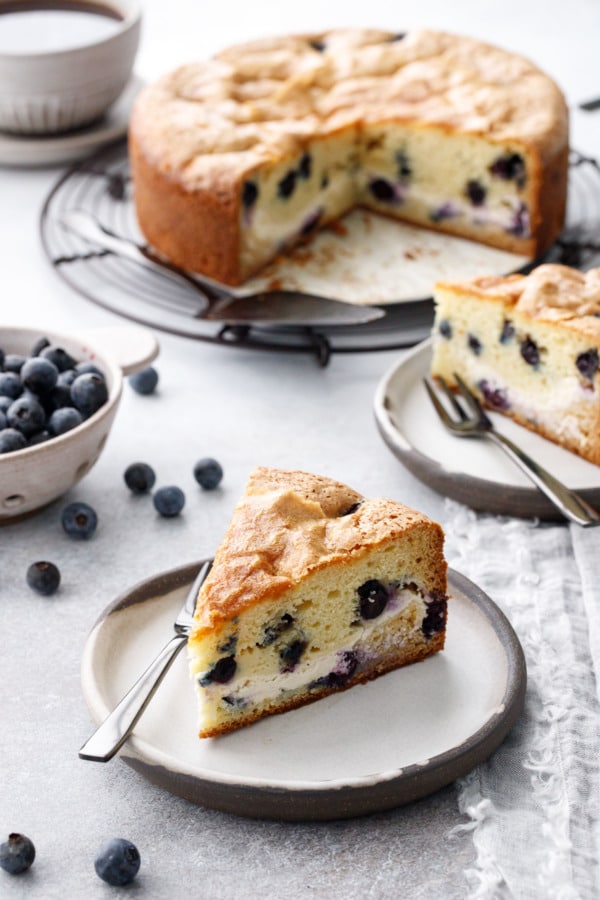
169,501
117,862
208,473
16,854
139,477
79,520
144,381
43,578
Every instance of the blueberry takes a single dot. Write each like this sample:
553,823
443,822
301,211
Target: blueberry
117,862
39,375
67,377
249,194
287,185
399,36
319,46
139,477
144,381
16,854
446,211
40,438
476,192
2,420
26,415
89,393
305,167
475,344
352,509
43,577
520,222
310,222
274,629
57,398
5,402
403,165
14,362
445,329
510,167
1,358
508,332
587,363
221,673
373,599
290,654
11,440
324,181
530,352
61,359
40,344
169,501
382,190
338,677
85,367
208,473
10,385
64,419
495,397
435,617
79,520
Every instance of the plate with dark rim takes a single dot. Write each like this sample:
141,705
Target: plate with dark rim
474,472
368,749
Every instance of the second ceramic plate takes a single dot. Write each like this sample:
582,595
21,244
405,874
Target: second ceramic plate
368,749
473,472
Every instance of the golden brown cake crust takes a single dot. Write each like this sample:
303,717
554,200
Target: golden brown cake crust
550,293
199,131
288,525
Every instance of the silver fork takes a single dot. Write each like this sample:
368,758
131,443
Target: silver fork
112,733
470,420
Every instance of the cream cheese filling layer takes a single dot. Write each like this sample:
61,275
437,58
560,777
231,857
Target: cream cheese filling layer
250,687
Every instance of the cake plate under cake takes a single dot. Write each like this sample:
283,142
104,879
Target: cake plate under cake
368,749
366,259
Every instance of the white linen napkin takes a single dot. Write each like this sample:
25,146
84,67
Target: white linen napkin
534,806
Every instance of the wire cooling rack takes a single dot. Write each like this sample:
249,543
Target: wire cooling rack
102,186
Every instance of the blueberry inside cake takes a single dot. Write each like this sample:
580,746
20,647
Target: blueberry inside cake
314,589
529,345
243,156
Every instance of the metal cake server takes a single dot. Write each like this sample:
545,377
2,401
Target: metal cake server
216,303
112,733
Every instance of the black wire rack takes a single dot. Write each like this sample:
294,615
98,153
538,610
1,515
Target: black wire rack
101,185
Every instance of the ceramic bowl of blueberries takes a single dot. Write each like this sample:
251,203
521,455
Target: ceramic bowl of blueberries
63,64
59,394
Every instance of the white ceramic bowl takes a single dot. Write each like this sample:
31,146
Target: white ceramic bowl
48,92
33,477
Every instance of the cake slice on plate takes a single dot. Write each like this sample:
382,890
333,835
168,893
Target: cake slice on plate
314,589
529,345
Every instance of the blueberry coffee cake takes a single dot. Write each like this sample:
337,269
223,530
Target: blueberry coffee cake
240,157
529,345
314,589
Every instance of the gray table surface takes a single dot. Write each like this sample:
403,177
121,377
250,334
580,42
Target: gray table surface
244,408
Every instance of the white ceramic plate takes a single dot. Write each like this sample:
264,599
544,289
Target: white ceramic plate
473,472
371,748
28,151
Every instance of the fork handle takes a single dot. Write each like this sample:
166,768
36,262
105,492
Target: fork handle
571,505
118,725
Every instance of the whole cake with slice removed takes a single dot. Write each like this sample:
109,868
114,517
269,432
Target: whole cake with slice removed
314,589
240,157
529,346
